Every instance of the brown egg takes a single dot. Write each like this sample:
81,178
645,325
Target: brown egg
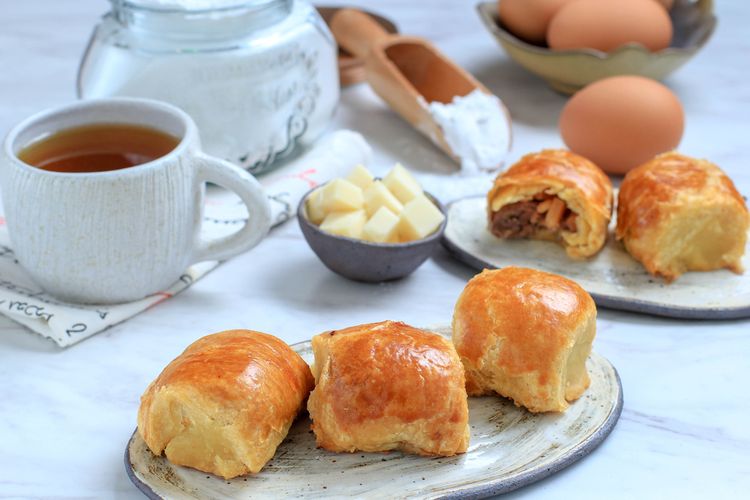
608,24
528,19
621,122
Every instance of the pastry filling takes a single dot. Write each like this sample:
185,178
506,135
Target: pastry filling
522,219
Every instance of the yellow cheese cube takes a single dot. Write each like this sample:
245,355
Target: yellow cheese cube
340,195
347,224
315,212
419,218
382,227
361,177
402,184
377,196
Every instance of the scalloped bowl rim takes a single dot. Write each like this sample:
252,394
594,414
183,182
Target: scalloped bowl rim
490,22
437,234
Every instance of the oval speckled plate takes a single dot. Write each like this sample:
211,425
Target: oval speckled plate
613,278
509,448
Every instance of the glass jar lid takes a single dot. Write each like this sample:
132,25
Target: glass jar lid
199,20
192,5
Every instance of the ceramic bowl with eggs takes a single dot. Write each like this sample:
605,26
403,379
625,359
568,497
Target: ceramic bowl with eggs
384,237
558,45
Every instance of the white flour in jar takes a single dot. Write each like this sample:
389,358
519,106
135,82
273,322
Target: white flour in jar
476,128
258,94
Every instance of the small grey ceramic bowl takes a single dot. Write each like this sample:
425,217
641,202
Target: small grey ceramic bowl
365,261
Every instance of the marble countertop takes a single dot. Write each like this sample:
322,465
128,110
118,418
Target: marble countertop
66,415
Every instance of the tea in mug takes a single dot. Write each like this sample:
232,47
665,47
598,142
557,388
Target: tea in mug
99,147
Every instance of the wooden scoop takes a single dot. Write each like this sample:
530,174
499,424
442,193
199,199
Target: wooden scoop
407,72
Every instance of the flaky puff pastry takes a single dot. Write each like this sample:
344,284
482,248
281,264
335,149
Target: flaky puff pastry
553,195
226,403
526,335
388,386
677,214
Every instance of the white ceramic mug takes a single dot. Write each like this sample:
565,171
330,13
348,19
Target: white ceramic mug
117,236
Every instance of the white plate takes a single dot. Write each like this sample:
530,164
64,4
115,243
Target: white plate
509,448
613,278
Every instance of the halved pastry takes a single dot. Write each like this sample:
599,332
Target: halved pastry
526,335
226,403
388,386
677,214
553,195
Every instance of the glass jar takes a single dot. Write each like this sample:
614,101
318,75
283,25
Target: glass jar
259,77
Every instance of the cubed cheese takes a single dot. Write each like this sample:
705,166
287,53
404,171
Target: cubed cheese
377,196
361,177
419,218
402,184
382,227
340,195
315,212
347,224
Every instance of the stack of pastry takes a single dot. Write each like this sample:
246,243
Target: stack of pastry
674,214
226,403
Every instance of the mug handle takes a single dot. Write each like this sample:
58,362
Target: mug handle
233,178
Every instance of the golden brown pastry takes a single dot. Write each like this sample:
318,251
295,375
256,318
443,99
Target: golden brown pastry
526,335
553,195
677,214
225,404
388,386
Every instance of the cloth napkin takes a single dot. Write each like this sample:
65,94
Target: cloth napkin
66,324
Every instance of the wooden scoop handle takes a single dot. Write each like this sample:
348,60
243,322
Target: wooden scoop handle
356,32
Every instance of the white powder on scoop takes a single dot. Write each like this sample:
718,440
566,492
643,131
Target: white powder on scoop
476,128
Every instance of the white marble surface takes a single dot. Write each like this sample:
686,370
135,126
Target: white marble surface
66,415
